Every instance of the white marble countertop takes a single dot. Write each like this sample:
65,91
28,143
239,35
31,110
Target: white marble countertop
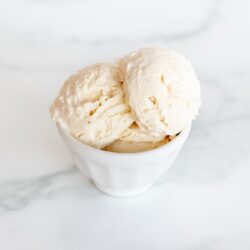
45,203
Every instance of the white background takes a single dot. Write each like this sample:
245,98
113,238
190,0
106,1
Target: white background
45,203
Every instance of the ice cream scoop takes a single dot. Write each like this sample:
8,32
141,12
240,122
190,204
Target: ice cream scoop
91,106
134,140
121,146
161,88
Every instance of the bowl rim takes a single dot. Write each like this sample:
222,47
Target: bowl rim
167,147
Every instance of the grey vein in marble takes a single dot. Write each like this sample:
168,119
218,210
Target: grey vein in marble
16,195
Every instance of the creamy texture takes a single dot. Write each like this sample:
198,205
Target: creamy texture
135,134
136,140
121,146
162,90
134,105
91,106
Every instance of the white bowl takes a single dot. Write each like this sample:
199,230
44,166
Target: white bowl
123,174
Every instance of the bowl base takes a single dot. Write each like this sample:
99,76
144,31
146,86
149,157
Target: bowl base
123,193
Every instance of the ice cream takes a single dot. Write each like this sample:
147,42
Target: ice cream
121,146
139,103
91,106
136,140
161,89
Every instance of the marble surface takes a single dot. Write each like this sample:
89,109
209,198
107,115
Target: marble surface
203,202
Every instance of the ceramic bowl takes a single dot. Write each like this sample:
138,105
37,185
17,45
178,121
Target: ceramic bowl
123,174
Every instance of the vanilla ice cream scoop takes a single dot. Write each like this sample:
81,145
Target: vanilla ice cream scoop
135,134
162,90
120,146
134,140
91,106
